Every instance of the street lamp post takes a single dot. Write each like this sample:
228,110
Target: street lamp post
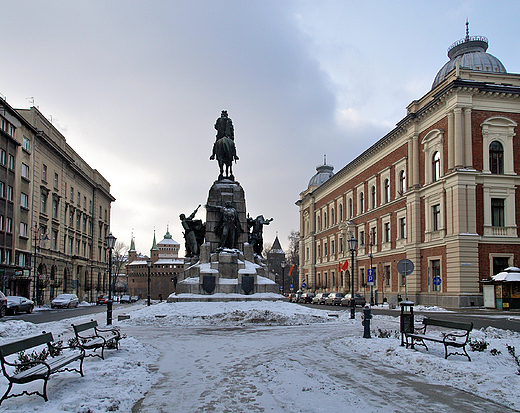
111,242
38,234
283,264
149,264
352,244
372,268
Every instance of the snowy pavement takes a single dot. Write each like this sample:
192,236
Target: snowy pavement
272,357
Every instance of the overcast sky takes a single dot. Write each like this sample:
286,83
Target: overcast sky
136,87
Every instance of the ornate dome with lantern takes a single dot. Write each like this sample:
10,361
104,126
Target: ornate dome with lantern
469,53
323,173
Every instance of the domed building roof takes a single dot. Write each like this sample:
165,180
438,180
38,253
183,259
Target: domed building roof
323,173
470,53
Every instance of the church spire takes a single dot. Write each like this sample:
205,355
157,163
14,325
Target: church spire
154,246
132,243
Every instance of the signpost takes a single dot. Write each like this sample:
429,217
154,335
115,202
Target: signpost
405,267
437,281
370,276
304,286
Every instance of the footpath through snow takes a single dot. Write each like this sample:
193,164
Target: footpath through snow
265,356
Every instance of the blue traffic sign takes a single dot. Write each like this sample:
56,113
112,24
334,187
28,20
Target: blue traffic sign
304,285
437,280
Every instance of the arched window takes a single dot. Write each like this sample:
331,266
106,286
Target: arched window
436,166
387,191
373,197
496,158
402,183
361,203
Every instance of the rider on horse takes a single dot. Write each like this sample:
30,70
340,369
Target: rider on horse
224,147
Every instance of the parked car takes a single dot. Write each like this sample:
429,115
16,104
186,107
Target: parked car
306,297
134,298
125,299
17,304
334,299
3,304
360,300
320,298
102,299
65,301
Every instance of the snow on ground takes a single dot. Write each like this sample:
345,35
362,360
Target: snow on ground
166,362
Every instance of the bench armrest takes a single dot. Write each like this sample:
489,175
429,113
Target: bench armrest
453,336
115,331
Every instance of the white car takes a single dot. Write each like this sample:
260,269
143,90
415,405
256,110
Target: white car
65,301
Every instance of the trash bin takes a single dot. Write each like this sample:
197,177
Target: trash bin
367,316
406,321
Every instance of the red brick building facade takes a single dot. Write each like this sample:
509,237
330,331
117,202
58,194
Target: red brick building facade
440,190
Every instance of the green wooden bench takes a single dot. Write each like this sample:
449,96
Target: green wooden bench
456,339
90,337
37,370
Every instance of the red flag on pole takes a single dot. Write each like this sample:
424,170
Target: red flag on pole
290,271
345,266
339,266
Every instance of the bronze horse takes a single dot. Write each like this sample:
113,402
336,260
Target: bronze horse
225,151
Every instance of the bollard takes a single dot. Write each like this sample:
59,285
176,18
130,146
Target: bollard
367,316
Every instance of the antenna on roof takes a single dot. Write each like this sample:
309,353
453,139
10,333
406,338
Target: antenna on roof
467,29
324,159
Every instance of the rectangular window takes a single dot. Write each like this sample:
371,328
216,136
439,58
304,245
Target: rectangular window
26,145
436,217
8,225
387,231
22,260
71,243
1,222
56,181
54,240
497,212
24,200
10,192
373,236
3,157
43,205
71,194
11,130
2,190
71,218
25,171
55,208
402,228
386,275
79,199
44,173
11,162
362,238
325,249
23,229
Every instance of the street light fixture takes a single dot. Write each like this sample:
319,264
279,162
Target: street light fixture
149,264
39,232
283,265
111,242
352,245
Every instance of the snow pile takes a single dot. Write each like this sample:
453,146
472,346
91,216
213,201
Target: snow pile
226,313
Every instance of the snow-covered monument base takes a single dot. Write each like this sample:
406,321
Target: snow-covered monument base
225,274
